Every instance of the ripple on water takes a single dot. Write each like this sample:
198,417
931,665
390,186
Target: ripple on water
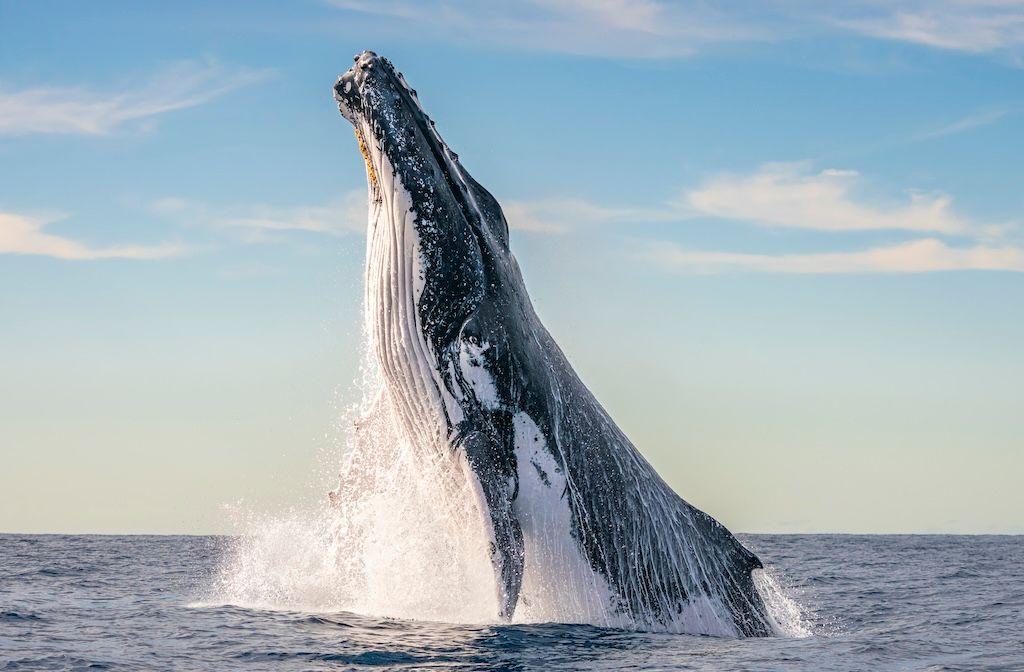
956,606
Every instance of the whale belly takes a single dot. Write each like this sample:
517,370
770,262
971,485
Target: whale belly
559,583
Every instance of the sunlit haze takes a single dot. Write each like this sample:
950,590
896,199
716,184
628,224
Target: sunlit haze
783,247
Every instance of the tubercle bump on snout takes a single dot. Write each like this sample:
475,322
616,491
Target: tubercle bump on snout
370,74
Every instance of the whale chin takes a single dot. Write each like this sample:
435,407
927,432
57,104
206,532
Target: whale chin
570,509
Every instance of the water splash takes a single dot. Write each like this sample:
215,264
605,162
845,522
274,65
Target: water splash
787,616
402,538
398,538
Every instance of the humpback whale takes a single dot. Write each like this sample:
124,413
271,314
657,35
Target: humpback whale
477,380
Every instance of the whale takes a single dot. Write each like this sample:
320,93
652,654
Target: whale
478,382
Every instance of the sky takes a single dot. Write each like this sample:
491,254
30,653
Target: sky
783,243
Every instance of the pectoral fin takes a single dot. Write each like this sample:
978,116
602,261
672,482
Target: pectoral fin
493,473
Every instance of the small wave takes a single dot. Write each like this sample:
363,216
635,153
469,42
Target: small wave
365,658
15,616
61,662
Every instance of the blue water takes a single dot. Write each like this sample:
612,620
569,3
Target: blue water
872,602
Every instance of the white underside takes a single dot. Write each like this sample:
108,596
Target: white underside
394,282
558,583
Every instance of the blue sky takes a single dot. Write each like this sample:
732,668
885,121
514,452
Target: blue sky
784,244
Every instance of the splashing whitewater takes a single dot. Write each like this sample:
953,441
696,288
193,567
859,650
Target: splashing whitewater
401,538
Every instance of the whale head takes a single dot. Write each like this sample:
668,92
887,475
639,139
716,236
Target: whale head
419,191
441,283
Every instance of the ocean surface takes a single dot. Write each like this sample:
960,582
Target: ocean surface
867,602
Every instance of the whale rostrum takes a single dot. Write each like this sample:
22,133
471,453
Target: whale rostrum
477,380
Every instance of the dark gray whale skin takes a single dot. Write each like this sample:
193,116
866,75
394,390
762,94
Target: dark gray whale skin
657,553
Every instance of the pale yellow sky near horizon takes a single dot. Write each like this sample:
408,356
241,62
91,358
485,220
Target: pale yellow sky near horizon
783,247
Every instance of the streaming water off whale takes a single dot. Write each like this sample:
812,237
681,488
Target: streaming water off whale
871,603
402,537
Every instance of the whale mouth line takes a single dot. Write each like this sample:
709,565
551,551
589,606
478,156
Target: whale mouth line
390,122
371,172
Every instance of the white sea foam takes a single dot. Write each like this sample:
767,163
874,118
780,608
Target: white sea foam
399,538
402,536
786,615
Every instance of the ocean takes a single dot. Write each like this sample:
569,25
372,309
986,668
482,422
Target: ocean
866,602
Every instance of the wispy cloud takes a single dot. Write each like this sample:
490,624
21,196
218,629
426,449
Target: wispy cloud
263,223
27,235
85,111
827,202
776,195
557,216
791,196
658,28
970,122
20,234
960,25
619,28
918,256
